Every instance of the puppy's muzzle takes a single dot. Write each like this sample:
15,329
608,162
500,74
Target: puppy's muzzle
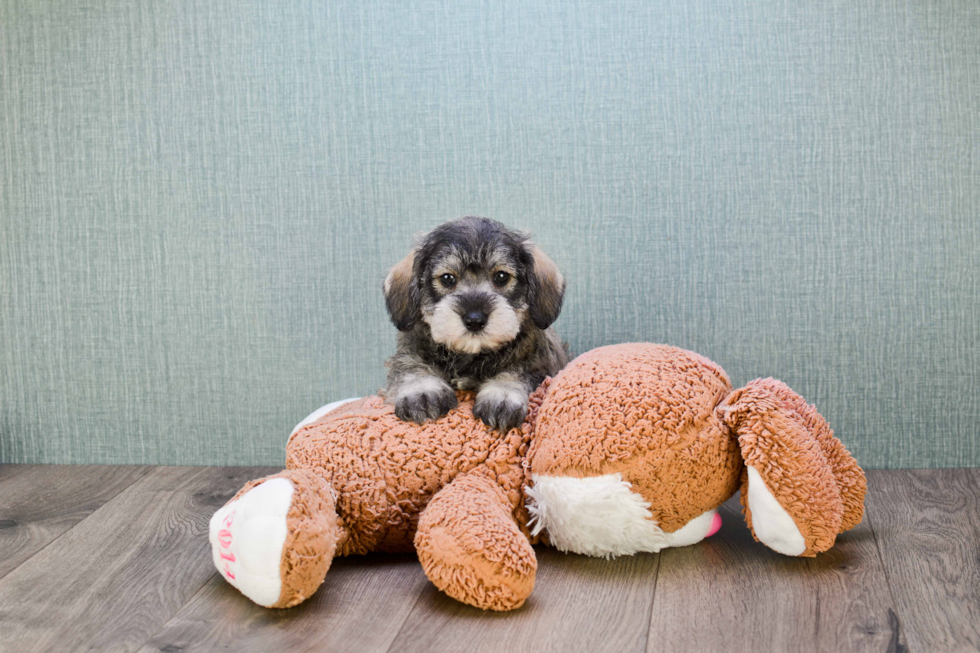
475,321
474,311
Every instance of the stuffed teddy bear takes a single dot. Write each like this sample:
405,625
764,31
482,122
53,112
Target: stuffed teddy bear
630,448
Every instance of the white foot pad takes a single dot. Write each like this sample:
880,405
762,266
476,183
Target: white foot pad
247,537
772,524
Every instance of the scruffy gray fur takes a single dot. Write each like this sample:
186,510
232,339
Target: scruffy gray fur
473,302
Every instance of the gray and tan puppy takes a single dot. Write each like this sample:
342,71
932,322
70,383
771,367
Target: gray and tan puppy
473,302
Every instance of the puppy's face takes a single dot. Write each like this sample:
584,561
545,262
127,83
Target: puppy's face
474,299
476,284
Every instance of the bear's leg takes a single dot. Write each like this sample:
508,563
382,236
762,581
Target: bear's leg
275,539
471,548
796,471
851,482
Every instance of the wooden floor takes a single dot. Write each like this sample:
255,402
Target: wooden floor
117,559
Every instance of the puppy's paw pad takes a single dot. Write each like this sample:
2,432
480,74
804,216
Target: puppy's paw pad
500,413
431,401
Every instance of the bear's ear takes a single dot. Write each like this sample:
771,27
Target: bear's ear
401,297
547,288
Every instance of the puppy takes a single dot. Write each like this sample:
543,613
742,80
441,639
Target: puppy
473,302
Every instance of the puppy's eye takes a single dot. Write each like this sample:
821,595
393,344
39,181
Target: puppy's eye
448,280
501,278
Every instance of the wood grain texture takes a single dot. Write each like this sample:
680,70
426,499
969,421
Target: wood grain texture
136,572
40,502
734,594
114,579
578,604
359,608
927,524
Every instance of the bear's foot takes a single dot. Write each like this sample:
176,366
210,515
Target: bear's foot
800,487
772,525
275,539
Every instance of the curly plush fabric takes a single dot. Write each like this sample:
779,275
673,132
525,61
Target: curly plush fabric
850,479
650,435
645,411
384,471
471,547
809,471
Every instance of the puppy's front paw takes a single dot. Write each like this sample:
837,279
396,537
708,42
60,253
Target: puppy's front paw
500,408
427,398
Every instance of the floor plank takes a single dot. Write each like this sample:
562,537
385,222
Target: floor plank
359,608
578,604
117,558
115,578
731,593
927,523
40,502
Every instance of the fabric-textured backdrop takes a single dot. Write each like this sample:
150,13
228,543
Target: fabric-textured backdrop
199,200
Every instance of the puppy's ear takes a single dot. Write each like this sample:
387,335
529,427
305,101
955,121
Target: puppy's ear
547,289
401,298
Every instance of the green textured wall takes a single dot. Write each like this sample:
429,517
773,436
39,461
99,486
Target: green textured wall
198,201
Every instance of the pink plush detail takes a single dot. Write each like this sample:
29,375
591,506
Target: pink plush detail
715,525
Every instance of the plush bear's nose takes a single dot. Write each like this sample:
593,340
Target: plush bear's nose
475,321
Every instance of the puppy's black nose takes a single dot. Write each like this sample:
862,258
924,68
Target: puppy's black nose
475,321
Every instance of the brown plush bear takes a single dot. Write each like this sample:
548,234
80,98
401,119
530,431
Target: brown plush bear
630,448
